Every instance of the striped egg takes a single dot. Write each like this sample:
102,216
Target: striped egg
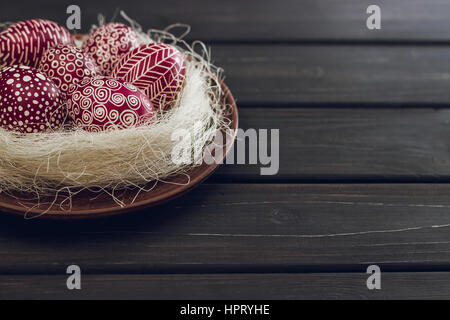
108,43
25,42
158,69
29,101
67,65
103,103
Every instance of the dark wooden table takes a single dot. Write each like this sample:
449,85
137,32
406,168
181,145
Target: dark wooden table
364,119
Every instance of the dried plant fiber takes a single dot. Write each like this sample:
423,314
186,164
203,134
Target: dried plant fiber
71,159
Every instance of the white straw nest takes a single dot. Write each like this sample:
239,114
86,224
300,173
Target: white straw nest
70,160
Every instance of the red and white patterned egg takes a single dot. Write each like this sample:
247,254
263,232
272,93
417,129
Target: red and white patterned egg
25,42
103,103
158,69
108,43
29,101
67,65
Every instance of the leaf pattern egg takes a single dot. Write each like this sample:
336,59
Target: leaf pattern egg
108,43
67,65
103,103
157,68
29,101
25,42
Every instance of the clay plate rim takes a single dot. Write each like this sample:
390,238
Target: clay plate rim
162,193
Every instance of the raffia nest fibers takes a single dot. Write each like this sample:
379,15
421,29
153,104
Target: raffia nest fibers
72,159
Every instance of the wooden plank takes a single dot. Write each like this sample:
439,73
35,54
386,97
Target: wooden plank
230,287
251,228
336,74
282,20
348,144
361,75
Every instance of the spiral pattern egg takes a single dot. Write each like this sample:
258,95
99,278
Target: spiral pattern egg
29,101
103,103
25,42
158,69
108,43
67,65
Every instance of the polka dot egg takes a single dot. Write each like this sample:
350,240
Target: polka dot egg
29,101
67,65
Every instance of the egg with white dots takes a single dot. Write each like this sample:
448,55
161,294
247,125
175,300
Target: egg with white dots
29,101
66,65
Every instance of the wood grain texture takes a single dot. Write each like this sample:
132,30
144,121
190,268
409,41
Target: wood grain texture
248,228
230,287
268,241
360,75
346,144
255,20
85,205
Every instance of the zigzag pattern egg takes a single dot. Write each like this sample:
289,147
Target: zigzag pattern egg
103,103
67,65
25,42
158,69
29,101
108,43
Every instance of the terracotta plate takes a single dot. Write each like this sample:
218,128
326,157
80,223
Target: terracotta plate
91,205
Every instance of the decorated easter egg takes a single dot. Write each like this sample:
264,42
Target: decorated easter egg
108,43
158,69
103,103
67,65
25,42
29,101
